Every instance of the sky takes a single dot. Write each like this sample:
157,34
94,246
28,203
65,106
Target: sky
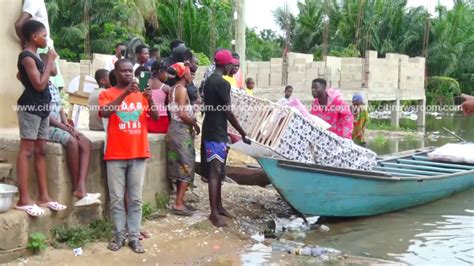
259,12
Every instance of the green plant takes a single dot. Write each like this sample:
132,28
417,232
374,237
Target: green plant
442,90
101,229
74,237
380,141
349,51
36,242
202,58
147,211
162,200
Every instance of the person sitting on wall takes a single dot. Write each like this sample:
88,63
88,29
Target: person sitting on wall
78,150
102,78
361,119
329,106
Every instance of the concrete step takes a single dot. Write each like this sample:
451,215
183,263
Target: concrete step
16,226
5,173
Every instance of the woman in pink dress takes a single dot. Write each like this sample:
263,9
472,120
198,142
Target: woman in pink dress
329,106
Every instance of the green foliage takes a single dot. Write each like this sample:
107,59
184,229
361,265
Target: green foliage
380,140
147,211
386,126
442,90
263,46
74,237
162,200
349,51
79,236
101,230
36,242
202,58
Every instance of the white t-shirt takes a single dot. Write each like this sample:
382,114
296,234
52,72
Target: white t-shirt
137,65
283,101
37,10
110,65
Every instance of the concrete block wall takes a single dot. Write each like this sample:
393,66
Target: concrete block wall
412,78
382,76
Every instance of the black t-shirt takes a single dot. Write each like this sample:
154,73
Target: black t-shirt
37,103
192,92
217,101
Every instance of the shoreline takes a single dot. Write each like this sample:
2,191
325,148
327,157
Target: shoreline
193,240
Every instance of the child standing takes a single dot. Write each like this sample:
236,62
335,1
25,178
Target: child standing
33,112
126,152
250,83
288,92
102,78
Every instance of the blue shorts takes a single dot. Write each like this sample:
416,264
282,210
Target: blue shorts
215,150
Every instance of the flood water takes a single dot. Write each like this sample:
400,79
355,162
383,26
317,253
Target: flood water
435,135
440,233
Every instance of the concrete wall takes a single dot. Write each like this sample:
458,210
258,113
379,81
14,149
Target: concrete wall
10,87
389,78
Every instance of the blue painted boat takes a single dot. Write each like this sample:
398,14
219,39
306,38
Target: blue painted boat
394,184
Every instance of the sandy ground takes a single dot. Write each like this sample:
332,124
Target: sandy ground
193,240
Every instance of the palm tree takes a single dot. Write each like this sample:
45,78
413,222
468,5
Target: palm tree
286,21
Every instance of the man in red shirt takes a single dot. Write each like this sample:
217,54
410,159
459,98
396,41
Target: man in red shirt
126,152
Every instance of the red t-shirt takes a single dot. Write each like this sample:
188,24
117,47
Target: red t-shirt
127,135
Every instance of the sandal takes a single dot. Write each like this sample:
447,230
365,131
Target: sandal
116,244
190,208
86,201
31,210
179,212
136,246
54,206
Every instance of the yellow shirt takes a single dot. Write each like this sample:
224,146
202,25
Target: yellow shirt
232,81
249,91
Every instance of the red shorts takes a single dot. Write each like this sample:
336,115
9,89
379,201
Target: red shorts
160,126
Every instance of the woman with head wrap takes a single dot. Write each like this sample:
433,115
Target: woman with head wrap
180,138
361,119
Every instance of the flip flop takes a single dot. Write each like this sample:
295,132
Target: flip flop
181,212
190,208
86,201
31,210
94,195
54,206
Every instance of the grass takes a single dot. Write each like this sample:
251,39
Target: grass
380,141
376,125
161,204
79,236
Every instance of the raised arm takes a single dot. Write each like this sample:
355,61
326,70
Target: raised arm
25,16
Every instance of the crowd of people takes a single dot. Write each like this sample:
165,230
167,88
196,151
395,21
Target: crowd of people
127,112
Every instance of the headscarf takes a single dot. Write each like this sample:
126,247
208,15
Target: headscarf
358,98
181,69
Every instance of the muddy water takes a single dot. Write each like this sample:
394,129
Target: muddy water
435,135
438,233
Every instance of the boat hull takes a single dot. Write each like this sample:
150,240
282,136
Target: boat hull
313,191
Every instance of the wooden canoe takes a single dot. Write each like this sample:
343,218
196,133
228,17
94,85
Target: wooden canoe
394,184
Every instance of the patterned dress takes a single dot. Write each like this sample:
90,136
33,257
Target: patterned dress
181,154
360,123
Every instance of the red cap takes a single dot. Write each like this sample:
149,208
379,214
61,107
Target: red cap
224,57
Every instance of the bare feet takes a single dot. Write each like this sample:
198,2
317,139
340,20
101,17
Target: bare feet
217,220
225,213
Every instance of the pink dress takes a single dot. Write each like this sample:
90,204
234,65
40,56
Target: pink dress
337,113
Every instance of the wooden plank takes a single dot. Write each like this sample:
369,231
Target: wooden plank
395,171
447,165
423,167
